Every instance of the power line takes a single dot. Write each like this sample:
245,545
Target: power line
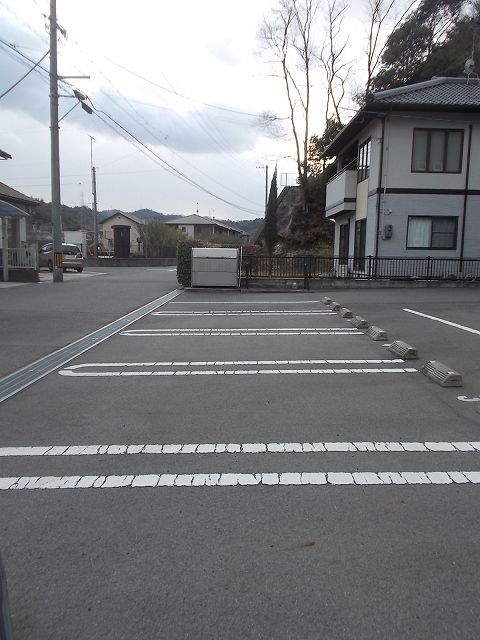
166,165
164,142
169,167
180,95
25,75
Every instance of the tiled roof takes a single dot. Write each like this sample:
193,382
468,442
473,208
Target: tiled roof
200,220
437,95
449,92
13,194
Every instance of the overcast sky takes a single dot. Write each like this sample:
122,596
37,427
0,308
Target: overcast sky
185,78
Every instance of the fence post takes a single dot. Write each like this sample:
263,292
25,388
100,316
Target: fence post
429,266
306,284
370,267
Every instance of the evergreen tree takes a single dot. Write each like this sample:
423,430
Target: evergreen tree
316,164
435,40
270,228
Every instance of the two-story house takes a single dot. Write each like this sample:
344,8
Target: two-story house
408,174
197,227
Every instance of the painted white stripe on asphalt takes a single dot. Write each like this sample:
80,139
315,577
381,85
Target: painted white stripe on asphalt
245,313
254,302
217,363
147,333
335,478
74,373
246,330
451,324
247,447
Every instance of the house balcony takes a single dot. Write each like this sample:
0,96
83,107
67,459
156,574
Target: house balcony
341,193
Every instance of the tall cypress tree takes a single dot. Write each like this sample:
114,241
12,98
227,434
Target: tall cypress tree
270,228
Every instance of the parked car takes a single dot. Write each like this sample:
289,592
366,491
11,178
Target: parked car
72,257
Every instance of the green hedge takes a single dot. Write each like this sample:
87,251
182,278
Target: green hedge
184,261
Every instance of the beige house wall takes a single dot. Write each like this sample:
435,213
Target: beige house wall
107,231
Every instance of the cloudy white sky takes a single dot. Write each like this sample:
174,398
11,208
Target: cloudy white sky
185,78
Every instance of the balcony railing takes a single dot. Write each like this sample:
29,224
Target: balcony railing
22,258
342,191
308,268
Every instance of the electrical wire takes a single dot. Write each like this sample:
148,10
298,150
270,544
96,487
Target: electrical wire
180,95
169,167
128,136
164,142
25,75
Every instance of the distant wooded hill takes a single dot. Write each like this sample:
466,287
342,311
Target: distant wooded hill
75,218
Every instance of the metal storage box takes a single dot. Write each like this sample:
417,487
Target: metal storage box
215,267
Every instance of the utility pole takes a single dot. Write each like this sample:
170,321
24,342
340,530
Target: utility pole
55,155
94,194
95,219
266,184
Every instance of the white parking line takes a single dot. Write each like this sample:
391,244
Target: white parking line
334,331
253,302
233,448
451,324
217,363
264,312
75,373
328,478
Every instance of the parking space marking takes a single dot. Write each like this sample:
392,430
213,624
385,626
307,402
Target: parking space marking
451,324
255,312
234,448
252,302
124,371
324,331
217,363
326,478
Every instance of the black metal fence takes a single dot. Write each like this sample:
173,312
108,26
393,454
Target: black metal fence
309,268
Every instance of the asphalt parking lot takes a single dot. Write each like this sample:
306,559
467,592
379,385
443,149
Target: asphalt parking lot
242,465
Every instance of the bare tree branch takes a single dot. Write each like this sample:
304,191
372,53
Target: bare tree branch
337,71
379,14
287,36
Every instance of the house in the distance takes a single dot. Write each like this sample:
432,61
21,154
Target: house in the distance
127,228
199,228
408,174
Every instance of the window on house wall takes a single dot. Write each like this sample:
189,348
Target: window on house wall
437,150
429,232
364,151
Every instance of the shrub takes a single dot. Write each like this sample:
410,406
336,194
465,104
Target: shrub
184,261
159,240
